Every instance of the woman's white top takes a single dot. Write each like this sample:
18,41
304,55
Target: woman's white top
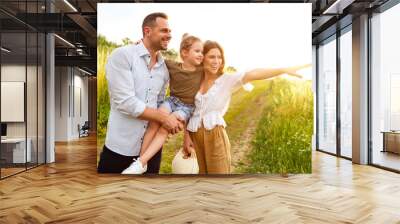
211,107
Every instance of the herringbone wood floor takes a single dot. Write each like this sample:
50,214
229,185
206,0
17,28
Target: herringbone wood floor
70,191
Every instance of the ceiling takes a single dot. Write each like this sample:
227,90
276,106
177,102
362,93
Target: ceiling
74,22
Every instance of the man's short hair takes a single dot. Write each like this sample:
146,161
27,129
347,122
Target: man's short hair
150,19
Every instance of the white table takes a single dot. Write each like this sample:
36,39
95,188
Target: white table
18,144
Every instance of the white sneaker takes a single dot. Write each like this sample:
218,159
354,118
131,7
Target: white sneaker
135,168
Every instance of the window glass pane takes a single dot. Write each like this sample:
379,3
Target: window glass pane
41,98
31,97
386,89
327,97
346,94
14,153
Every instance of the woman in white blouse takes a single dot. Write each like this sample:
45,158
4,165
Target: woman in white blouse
206,128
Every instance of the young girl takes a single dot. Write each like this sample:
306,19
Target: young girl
185,79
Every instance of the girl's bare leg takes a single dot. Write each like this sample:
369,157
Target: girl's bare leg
151,132
155,145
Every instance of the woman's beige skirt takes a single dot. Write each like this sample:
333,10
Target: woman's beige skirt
213,150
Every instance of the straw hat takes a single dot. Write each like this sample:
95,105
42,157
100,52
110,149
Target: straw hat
182,165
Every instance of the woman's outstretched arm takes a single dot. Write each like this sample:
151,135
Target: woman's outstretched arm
261,73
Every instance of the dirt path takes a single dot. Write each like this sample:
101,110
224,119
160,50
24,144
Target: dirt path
241,146
243,124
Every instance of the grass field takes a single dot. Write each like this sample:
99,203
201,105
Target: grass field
282,142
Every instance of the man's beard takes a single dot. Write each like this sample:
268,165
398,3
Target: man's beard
161,45
157,46
163,48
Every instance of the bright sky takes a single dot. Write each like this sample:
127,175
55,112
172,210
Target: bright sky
253,35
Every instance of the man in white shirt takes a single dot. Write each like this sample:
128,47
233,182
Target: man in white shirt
137,80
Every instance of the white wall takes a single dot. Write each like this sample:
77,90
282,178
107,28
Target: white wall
12,73
80,83
33,127
69,85
62,82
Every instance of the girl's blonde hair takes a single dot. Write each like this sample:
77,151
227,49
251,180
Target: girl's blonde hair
187,42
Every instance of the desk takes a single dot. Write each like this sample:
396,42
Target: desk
15,148
391,141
